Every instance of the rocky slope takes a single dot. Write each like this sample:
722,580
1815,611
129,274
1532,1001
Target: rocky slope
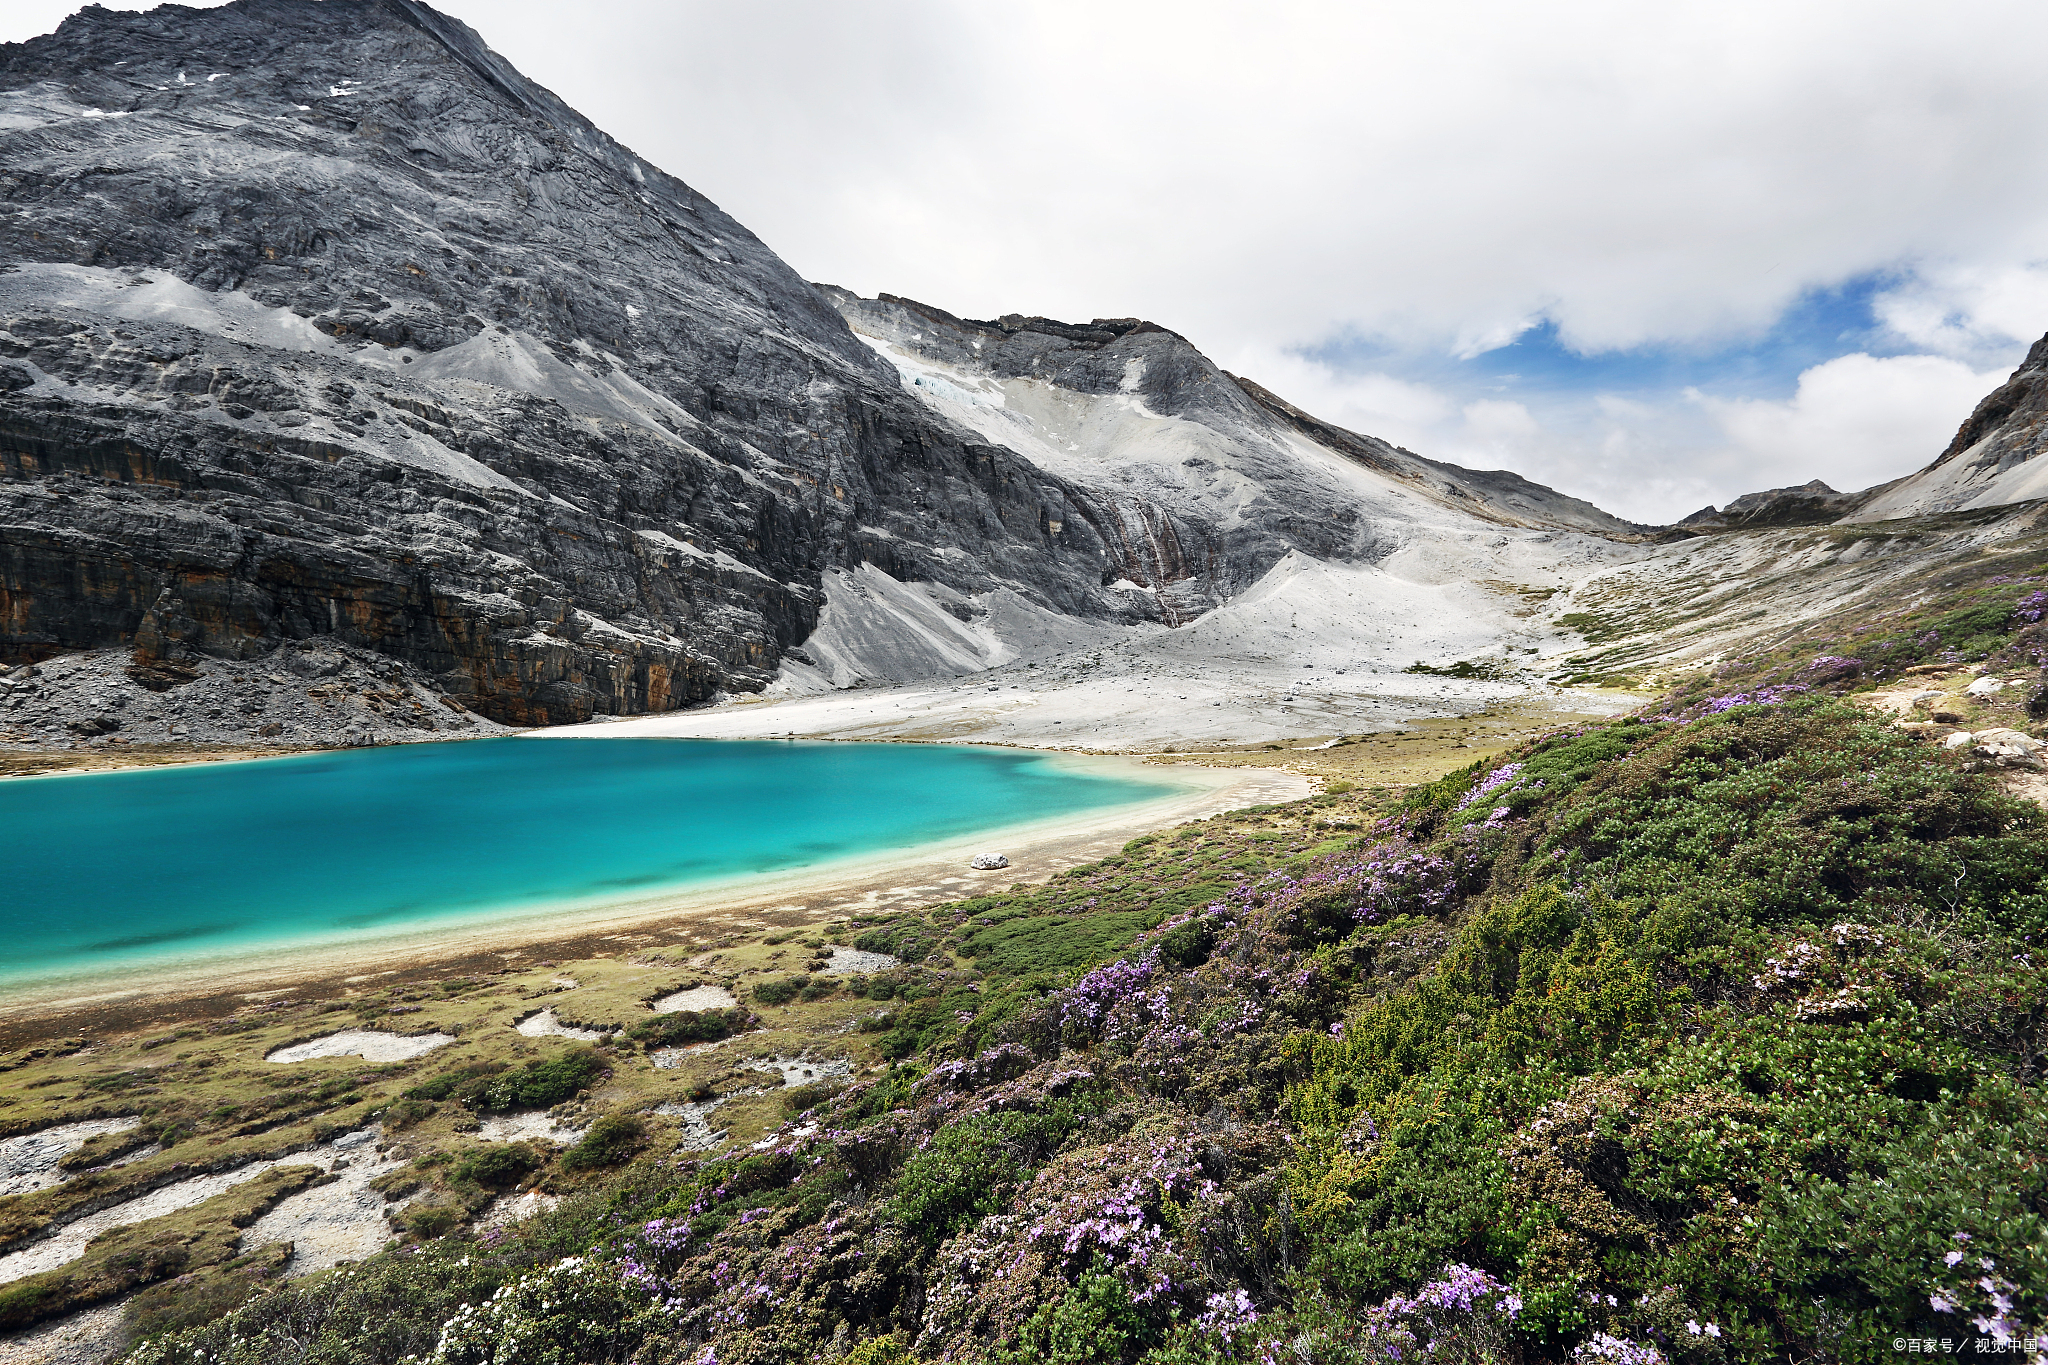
1810,504
1262,535
318,321
321,320
1993,459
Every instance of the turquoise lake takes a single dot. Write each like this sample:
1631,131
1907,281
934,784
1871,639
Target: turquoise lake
114,870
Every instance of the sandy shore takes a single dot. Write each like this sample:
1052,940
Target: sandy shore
893,880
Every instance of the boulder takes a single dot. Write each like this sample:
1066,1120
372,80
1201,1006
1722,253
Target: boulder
988,862
2009,749
1958,740
1984,687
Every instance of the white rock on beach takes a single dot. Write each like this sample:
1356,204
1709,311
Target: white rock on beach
29,1162
987,862
545,1025
370,1046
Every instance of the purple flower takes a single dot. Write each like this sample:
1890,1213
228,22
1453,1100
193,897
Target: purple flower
1499,777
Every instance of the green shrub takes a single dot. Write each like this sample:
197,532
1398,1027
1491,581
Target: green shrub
403,1113
797,1098
779,991
1094,1323
688,1026
611,1140
384,1310
445,1085
958,1178
500,1165
910,940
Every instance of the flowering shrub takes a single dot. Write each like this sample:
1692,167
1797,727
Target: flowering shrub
1610,1350
1462,1316
1492,782
575,1312
1972,1288
1651,1041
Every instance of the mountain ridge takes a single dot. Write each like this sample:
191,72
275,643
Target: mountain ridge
323,323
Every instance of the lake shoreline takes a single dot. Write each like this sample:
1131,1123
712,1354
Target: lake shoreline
123,998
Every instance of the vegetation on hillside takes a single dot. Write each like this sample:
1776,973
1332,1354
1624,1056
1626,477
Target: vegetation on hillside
1707,1033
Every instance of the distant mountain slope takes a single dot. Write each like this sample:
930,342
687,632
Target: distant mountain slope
1495,494
1993,460
1244,519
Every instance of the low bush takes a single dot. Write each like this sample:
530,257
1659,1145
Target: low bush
779,991
493,1087
688,1026
611,1140
797,1098
499,1166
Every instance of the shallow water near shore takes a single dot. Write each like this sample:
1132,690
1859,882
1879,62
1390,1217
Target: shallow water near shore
116,870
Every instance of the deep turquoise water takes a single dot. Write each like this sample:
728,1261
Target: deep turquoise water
112,870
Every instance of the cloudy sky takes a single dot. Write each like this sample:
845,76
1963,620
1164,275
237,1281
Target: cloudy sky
1655,255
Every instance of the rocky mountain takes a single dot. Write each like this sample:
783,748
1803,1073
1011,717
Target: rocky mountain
320,319
1993,460
319,322
1810,504
1249,525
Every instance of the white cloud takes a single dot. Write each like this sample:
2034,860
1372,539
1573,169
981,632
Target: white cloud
1968,311
1433,177
1855,421
1396,410
1499,420
1438,175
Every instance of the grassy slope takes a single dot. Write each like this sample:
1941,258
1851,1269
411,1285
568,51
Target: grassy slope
1725,1020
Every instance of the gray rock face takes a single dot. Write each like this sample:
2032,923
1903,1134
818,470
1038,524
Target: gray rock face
1993,460
1198,481
1810,504
319,320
